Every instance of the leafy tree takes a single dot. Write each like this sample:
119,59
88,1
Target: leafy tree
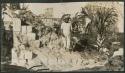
103,23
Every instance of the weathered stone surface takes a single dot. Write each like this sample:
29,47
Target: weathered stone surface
52,60
22,60
29,29
36,62
61,61
22,48
22,63
42,57
14,59
7,17
24,29
36,43
76,58
67,58
15,39
119,52
31,36
24,38
28,55
16,24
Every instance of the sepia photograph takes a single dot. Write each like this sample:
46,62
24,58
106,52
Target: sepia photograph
62,37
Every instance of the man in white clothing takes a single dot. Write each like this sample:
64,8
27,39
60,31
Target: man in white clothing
66,30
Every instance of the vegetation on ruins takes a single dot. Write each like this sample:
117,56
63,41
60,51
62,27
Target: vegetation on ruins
100,31
87,41
102,28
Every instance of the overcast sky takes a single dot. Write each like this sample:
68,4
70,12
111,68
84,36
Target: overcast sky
58,8
71,7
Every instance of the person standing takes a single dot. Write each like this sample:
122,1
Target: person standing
66,30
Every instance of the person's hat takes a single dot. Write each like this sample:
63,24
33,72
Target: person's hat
66,16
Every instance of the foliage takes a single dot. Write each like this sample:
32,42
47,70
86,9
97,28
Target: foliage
103,22
100,30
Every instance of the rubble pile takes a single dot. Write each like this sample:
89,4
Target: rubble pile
28,53
51,55
62,60
47,51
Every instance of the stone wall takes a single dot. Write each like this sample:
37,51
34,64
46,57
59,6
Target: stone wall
23,38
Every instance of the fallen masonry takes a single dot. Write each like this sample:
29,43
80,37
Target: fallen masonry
28,53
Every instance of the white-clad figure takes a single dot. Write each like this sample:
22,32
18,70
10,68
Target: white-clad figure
66,30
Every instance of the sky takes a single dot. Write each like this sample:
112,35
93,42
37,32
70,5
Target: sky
72,8
59,8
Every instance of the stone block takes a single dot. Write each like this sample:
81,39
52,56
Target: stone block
22,62
118,53
34,62
28,55
15,39
23,29
29,29
7,18
16,24
43,58
14,59
31,36
52,60
22,54
36,43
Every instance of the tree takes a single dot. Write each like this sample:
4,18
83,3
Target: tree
14,6
103,23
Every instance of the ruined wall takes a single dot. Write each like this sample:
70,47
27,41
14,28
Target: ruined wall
23,37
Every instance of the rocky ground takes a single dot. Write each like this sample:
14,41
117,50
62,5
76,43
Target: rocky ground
61,60
54,58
